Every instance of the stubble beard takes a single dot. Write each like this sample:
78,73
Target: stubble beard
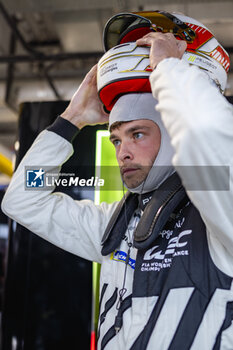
134,179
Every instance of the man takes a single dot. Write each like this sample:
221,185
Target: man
175,289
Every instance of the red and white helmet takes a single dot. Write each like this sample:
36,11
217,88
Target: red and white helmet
124,68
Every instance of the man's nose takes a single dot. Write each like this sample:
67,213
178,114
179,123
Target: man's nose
125,152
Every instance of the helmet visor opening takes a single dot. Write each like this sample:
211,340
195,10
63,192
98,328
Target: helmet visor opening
120,23
159,21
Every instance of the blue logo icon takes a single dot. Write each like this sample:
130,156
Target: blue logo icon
35,178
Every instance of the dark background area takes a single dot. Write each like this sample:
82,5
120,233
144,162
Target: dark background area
48,292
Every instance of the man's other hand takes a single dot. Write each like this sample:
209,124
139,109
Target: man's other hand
85,107
162,46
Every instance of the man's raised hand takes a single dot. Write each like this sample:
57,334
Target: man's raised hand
85,107
162,46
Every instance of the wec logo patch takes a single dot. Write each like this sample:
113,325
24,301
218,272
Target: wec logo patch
155,259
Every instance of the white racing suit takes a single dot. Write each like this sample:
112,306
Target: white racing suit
179,291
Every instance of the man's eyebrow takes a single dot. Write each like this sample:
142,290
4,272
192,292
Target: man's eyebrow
112,137
137,127
130,130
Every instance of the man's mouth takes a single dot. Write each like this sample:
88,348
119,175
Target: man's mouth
128,170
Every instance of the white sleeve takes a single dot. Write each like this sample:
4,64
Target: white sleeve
75,226
199,121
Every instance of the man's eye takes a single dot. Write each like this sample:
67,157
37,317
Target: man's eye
138,135
116,142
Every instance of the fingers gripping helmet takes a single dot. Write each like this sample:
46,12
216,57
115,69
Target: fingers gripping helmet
125,67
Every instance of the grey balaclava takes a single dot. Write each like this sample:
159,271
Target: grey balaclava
136,106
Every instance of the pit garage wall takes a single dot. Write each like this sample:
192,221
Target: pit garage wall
48,292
